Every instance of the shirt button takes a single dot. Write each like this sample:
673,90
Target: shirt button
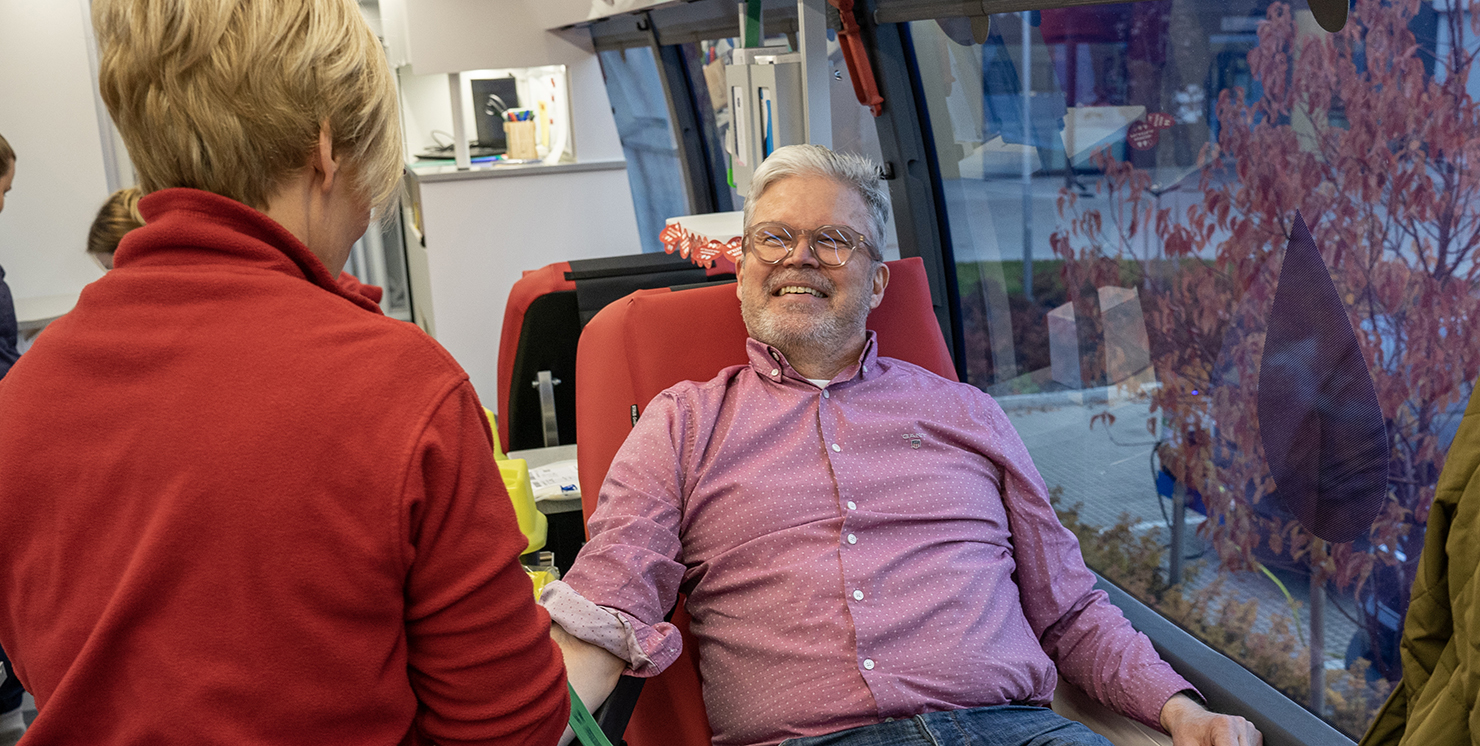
837,448
852,539
857,595
825,395
868,663
774,371
852,505
865,370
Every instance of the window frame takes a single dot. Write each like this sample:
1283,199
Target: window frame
912,170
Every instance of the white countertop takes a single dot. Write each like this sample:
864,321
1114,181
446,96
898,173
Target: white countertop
535,457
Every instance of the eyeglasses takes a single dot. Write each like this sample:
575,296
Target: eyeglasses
833,245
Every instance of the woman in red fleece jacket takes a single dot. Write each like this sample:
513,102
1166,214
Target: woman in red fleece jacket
238,504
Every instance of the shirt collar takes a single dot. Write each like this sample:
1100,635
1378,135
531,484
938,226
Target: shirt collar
770,363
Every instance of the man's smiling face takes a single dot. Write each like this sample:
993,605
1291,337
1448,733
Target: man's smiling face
799,305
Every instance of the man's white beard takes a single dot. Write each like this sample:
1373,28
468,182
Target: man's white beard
794,332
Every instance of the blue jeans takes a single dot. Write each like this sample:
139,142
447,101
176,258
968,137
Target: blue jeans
1004,725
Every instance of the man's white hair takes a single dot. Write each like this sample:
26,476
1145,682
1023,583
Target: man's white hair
856,172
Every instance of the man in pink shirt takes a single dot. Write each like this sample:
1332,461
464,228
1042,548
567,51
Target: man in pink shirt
869,554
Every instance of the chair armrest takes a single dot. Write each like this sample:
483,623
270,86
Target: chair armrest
1071,702
614,713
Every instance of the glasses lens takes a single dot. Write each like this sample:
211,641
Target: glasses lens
833,246
770,242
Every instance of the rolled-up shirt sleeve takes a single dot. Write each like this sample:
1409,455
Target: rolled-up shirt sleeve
1092,643
630,570
605,628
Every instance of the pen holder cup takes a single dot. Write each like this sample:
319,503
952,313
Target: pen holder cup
521,137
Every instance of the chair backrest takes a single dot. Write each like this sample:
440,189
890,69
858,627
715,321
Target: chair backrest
652,339
534,283
543,318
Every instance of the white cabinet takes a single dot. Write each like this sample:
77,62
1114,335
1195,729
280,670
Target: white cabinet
447,36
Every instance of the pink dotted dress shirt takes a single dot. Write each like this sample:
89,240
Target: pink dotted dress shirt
874,549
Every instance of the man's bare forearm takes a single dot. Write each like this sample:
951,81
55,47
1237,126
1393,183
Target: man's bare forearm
592,671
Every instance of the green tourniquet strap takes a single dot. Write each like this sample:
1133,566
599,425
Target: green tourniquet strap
751,33
583,724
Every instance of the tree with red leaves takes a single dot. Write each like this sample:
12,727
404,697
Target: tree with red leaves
1380,158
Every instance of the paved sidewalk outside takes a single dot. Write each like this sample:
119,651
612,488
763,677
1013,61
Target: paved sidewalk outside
1108,470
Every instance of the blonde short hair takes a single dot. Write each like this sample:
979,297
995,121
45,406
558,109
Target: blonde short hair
228,96
118,215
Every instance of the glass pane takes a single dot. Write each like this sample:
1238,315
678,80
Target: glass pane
853,128
1121,183
653,169
706,79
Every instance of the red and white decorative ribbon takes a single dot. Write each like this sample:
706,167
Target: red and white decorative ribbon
699,249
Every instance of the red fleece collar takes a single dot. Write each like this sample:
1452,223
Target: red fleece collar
194,227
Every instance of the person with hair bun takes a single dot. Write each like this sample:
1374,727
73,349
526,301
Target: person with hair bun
118,215
239,504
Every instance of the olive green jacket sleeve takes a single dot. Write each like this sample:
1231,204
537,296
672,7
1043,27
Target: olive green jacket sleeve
1434,703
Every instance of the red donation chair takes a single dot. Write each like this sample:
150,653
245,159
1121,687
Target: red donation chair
652,339
543,319
534,284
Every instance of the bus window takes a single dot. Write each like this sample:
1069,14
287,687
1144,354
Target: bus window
1120,183
646,130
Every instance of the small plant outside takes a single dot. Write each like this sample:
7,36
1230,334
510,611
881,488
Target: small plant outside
1378,153
1279,654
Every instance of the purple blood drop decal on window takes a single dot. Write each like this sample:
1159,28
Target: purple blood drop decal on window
1323,432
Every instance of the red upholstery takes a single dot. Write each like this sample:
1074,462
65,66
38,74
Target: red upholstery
637,347
534,283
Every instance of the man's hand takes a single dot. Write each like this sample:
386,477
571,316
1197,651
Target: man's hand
591,670
1190,724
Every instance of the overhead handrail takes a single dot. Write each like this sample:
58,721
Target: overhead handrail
860,69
